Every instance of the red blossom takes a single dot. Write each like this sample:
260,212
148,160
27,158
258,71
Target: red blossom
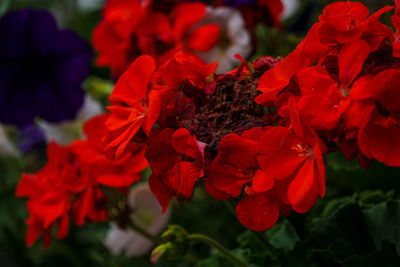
69,184
176,160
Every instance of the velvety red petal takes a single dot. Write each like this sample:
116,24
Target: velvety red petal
351,60
302,182
314,81
257,212
153,112
184,143
162,192
386,90
35,228
133,83
63,226
320,112
308,201
204,38
215,193
277,153
185,16
380,142
238,152
27,186
262,181
118,180
227,178
189,173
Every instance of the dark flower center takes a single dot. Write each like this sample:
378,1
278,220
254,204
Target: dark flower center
230,108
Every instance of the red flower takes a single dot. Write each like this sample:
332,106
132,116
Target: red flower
132,106
114,38
201,38
180,80
293,157
236,167
69,183
50,192
130,29
342,23
379,136
176,161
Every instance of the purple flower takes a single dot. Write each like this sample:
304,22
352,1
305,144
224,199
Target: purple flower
237,3
41,68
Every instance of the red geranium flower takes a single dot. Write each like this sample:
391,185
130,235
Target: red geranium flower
293,157
176,159
133,106
236,167
69,183
379,136
130,29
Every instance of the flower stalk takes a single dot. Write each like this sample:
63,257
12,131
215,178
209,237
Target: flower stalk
213,243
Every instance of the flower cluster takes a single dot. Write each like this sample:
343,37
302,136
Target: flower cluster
131,28
70,183
343,77
257,133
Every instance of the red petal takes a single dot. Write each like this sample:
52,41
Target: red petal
351,60
184,143
262,181
309,200
257,212
133,83
386,90
277,154
189,173
118,180
362,88
204,38
238,152
380,142
321,112
314,81
227,178
302,182
27,186
63,225
186,15
153,111
162,192
215,193
35,228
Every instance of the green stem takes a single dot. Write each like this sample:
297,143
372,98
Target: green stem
144,233
211,242
190,258
231,206
264,243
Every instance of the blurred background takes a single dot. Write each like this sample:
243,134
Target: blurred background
357,200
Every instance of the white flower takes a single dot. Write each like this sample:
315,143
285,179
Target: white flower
289,8
90,5
66,132
234,38
147,214
7,148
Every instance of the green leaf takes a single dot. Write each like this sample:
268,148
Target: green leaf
282,236
218,260
345,233
300,256
383,222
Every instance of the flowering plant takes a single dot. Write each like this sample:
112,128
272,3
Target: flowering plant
271,152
